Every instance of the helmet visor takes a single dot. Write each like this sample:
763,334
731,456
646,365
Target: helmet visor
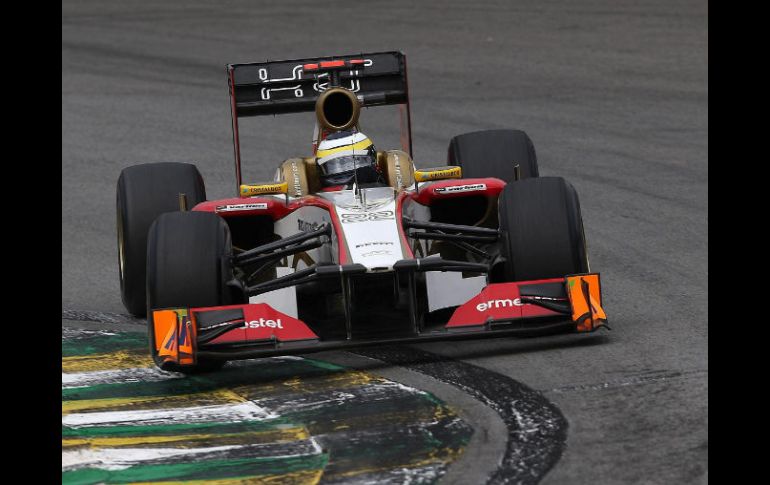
346,164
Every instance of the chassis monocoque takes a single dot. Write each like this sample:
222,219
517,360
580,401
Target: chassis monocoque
480,247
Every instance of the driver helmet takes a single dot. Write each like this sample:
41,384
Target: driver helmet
345,157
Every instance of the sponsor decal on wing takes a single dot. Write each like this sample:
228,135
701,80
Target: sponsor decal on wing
241,207
453,189
263,322
498,301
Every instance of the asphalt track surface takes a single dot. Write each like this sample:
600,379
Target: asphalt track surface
615,97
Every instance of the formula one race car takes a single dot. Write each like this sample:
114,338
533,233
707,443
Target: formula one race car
480,247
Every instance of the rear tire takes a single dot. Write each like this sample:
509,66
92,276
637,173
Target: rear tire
494,153
143,193
543,230
188,265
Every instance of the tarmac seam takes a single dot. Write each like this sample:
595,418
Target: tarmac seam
101,317
633,381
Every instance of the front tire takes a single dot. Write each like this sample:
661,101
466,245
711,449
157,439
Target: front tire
188,265
143,193
543,230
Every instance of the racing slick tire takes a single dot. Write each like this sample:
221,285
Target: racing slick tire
188,265
144,192
494,153
543,230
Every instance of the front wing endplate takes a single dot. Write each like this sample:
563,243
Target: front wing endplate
585,298
175,336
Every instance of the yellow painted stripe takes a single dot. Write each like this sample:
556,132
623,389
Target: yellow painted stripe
122,359
305,477
253,437
222,396
361,145
340,380
337,381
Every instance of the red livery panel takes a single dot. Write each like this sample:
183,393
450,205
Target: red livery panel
498,301
446,189
263,322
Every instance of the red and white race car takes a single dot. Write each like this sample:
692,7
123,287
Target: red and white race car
480,247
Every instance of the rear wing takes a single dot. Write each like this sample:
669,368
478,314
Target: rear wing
277,87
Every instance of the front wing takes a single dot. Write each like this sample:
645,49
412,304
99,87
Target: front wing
569,304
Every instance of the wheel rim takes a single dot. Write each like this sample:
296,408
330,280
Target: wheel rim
121,250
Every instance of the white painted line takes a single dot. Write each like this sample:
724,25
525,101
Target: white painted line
366,393
246,411
122,458
116,376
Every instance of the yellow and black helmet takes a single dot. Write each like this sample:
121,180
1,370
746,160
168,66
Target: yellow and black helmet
347,156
